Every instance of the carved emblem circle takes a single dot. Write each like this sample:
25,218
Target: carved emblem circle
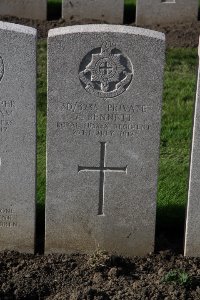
1,68
106,72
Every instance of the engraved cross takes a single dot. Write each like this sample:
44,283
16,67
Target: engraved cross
106,68
102,169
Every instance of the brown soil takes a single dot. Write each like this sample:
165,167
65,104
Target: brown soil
77,277
179,35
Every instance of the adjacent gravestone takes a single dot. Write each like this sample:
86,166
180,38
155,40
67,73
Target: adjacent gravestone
104,110
30,9
111,11
166,11
17,137
192,239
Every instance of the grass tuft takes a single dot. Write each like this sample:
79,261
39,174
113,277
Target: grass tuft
177,277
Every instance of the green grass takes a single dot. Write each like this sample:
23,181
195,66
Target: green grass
41,142
178,103
41,129
177,119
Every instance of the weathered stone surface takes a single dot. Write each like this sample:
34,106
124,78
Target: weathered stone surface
104,108
30,9
111,11
192,238
166,11
17,137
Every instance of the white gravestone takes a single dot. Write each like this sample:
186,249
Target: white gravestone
17,137
29,9
192,238
104,110
166,11
111,11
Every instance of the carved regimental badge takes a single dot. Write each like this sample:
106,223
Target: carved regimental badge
106,72
1,68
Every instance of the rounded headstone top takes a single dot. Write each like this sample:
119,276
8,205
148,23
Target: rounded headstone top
106,28
18,28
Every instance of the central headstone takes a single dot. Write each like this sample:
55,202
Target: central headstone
104,109
17,137
111,11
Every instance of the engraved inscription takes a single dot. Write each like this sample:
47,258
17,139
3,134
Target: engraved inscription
109,72
7,108
7,218
105,119
102,169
